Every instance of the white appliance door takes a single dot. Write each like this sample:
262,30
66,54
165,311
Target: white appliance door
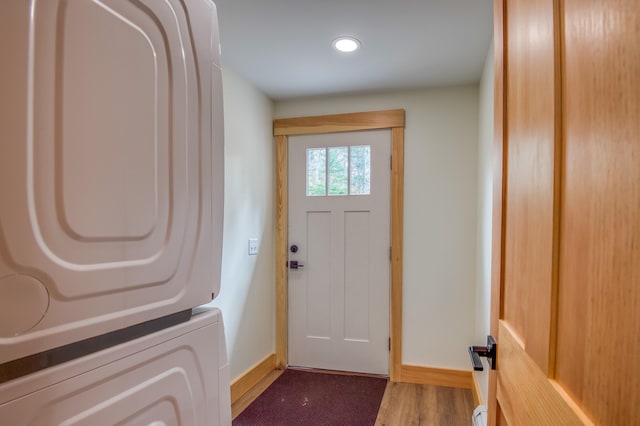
176,376
111,166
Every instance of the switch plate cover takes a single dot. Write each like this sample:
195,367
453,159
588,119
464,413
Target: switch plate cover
253,246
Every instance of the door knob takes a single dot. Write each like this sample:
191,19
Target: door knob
294,264
490,352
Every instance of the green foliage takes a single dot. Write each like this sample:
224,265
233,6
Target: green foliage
360,170
316,171
338,171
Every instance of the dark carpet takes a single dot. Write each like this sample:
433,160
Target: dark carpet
307,398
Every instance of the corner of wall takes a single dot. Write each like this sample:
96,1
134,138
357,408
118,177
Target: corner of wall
247,296
485,198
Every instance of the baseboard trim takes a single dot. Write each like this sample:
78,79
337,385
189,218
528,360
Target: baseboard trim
436,376
251,377
477,395
408,374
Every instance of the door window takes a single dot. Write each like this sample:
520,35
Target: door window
316,171
346,170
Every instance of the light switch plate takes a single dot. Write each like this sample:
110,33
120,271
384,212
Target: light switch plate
253,246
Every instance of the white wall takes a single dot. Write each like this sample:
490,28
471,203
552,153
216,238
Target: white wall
247,296
441,142
447,225
485,204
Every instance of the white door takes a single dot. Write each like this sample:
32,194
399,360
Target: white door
339,235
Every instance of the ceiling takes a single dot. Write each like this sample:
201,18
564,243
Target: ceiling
283,47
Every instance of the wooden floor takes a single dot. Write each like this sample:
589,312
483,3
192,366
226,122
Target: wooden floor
411,404
402,404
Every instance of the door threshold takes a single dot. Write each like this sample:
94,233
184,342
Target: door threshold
337,372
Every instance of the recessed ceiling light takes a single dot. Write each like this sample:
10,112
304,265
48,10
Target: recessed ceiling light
346,44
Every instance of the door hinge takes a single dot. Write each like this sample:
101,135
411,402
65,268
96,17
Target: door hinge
391,162
389,344
390,253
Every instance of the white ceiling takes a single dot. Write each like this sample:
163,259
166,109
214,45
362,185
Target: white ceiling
283,47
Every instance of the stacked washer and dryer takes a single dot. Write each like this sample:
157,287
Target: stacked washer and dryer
111,186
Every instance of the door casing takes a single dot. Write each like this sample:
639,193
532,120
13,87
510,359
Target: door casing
282,129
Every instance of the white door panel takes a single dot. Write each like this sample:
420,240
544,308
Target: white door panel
176,376
111,166
339,300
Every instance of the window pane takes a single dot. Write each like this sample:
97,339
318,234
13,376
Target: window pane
316,172
360,170
338,171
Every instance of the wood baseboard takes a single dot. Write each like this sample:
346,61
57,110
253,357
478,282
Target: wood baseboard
436,376
250,378
477,395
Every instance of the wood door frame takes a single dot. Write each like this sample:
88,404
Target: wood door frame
282,129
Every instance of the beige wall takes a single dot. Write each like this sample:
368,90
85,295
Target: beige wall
444,172
247,297
441,163
485,204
